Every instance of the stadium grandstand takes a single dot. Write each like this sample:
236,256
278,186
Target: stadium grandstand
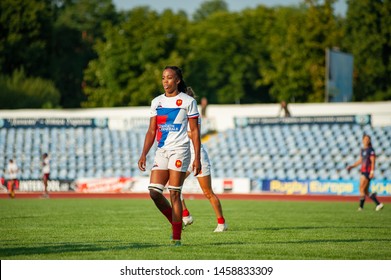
243,141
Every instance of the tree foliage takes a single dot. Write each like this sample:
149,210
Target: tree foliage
368,32
225,53
209,7
127,71
297,46
78,26
97,56
25,28
19,91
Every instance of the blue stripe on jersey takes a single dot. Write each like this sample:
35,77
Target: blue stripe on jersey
166,125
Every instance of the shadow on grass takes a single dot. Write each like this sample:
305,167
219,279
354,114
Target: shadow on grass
60,248
327,241
302,241
317,227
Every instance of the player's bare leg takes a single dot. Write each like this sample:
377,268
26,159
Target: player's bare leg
186,217
45,186
160,177
175,184
364,184
12,189
206,186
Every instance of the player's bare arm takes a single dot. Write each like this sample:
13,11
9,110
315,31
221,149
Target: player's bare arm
196,140
148,142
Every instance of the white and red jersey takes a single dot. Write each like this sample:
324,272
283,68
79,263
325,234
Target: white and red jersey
13,170
46,166
172,119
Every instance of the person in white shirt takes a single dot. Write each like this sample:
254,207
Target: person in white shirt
171,113
205,180
284,111
45,173
12,170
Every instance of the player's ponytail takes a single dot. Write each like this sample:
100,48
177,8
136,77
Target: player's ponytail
182,86
190,92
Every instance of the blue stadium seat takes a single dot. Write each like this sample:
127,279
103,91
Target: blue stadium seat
259,152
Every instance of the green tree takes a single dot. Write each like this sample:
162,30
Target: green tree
20,91
128,68
52,39
298,41
87,16
78,26
286,76
322,30
256,27
226,54
215,58
25,28
208,8
368,37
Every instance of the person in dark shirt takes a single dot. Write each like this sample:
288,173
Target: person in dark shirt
367,160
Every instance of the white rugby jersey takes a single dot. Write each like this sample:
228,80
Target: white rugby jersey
172,119
12,169
46,166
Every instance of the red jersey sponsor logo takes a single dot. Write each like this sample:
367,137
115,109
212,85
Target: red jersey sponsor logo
179,102
178,163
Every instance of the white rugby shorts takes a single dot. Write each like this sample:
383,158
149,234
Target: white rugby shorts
205,163
177,160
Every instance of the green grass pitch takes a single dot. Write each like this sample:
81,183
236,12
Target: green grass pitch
133,229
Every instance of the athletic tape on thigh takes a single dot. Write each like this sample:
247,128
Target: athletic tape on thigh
172,188
156,187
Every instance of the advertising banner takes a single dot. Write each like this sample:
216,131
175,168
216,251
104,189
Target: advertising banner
328,187
53,186
128,185
140,185
350,119
53,122
110,185
219,185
